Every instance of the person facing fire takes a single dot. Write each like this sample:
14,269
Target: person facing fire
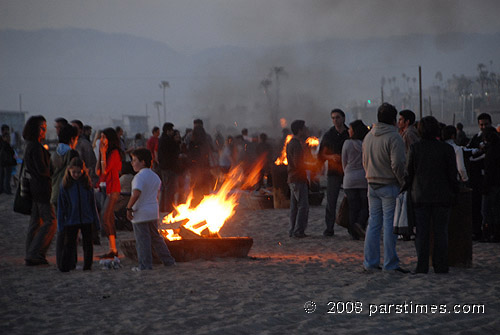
142,211
297,180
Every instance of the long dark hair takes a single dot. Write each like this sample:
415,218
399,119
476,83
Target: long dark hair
84,179
113,140
31,129
359,130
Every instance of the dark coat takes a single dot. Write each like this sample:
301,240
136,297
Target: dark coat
431,173
37,162
491,167
168,153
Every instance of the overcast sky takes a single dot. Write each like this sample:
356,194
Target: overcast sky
191,25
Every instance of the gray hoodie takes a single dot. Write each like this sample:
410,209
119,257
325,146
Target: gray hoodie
384,155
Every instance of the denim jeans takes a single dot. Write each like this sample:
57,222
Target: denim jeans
381,203
433,217
43,226
332,195
148,238
299,208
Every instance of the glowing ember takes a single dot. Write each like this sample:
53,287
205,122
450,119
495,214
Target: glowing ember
210,215
282,160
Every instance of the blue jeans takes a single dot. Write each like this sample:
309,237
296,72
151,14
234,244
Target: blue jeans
147,238
299,208
381,203
332,194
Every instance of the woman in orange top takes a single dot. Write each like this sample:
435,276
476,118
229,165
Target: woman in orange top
108,169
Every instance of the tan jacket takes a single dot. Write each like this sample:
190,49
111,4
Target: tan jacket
384,155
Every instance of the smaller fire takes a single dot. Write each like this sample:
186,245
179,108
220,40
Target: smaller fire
312,141
282,159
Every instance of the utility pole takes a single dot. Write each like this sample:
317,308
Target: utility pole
420,88
163,85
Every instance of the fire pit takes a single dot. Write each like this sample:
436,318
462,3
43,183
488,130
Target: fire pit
186,250
193,232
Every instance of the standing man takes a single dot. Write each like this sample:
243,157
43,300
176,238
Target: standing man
384,162
406,125
297,180
86,152
152,145
476,173
168,156
331,149
59,123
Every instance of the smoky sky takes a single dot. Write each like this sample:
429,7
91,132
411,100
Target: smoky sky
192,25
225,48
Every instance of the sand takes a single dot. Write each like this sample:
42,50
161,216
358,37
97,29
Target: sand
265,293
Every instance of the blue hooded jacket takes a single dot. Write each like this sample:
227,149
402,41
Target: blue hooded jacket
76,205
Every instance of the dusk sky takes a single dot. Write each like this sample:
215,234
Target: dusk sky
69,72
191,25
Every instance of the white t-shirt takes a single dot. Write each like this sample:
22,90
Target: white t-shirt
146,206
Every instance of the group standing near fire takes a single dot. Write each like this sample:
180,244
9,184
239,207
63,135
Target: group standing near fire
371,164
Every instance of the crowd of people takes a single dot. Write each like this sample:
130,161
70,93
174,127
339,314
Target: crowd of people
427,159
83,184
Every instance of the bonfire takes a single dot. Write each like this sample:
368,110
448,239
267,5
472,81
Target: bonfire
206,219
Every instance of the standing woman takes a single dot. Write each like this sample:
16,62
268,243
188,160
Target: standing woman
108,169
42,225
355,184
432,178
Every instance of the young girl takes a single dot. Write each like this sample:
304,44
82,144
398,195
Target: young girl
108,169
76,210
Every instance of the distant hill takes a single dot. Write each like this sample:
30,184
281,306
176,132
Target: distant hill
75,72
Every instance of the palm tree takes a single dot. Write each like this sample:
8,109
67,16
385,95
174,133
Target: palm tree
277,71
163,85
265,85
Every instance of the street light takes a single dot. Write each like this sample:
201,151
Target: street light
163,85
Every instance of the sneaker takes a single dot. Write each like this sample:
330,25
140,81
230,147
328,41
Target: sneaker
35,262
359,231
300,235
328,233
402,270
110,254
136,269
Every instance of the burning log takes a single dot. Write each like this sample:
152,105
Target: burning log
186,250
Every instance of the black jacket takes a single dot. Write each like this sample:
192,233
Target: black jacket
168,153
431,173
37,161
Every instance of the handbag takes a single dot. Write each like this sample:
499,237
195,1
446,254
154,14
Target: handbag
343,213
22,200
400,223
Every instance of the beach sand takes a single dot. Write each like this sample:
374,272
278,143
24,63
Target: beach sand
265,293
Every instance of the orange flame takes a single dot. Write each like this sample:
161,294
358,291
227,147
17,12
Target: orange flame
282,160
214,209
312,141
